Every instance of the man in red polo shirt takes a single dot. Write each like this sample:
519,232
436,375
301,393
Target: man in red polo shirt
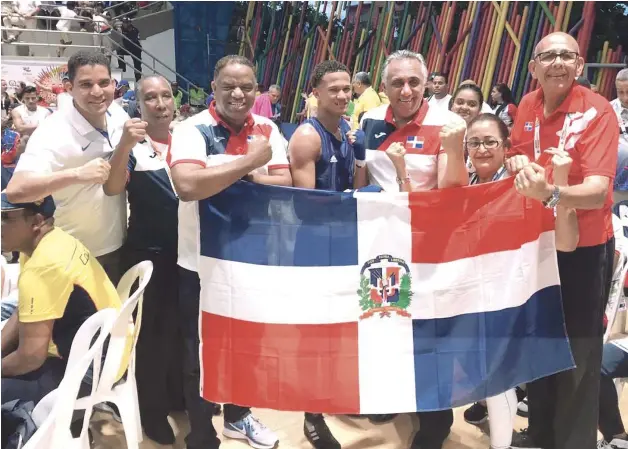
209,152
433,139
562,114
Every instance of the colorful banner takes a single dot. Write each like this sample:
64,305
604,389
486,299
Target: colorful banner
45,75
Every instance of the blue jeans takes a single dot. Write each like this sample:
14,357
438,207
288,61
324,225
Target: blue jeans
8,306
614,365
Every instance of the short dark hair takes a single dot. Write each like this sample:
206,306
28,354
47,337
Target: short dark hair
472,87
71,5
324,68
232,59
29,90
488,117
435,74
82,58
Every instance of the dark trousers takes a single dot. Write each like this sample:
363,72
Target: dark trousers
158,351
137,60
434,428
614,365
564,407
200,412
35,385
112,264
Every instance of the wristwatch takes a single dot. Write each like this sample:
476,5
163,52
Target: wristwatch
553,200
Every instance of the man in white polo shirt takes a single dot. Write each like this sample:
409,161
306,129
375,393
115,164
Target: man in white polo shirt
66,157
209,152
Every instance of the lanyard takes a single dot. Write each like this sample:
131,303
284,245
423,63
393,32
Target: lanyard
475,179
537,136
163,158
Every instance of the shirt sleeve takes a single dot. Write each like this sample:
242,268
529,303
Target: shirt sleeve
522,142
43,294
40,155
279,148
187,146
601,134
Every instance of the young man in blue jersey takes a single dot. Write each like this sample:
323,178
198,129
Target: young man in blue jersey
322,158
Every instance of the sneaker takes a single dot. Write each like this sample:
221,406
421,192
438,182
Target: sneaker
476,414
618,443
108,407
249,428
523,439
522,408
602,444
382,419
318,434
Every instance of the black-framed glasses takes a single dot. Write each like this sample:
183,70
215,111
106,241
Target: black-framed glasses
489,144
549,57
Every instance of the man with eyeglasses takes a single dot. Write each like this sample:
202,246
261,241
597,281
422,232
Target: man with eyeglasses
562,114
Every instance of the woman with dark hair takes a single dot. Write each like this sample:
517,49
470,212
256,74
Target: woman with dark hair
487,143
504,104
467,102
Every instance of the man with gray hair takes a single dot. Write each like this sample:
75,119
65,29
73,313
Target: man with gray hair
267,104
139,166
620,106
367,97
433,140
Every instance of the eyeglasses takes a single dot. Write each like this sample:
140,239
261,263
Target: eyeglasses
549,57
489,144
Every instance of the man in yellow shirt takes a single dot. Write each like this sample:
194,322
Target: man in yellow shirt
367,97
61,285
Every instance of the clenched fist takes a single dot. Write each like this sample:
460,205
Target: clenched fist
134,131
396,152
95,171
259,151
561,162
452,136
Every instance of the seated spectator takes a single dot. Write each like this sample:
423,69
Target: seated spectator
8,291
8,101
504,103
60,286
177,94
28,116
614,363
267,105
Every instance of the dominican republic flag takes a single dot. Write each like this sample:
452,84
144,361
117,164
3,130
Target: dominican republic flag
527,126
414,142
376,302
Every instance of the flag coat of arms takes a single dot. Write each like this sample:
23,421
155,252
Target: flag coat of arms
376,302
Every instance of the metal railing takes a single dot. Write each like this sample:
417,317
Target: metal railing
135,10
104,43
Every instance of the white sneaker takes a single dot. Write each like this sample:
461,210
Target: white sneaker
618,444
249,428
602,444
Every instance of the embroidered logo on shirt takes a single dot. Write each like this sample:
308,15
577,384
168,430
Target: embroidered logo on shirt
414,142
85,147
528,126
378,135
333,159
218,139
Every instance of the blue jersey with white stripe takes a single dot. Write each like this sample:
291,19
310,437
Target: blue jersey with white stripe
335,167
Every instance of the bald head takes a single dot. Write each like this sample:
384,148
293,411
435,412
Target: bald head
560,39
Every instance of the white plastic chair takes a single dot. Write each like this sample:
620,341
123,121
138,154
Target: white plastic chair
616,294
121,355
53,417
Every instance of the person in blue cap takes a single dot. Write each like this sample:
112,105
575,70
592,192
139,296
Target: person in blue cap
60,286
